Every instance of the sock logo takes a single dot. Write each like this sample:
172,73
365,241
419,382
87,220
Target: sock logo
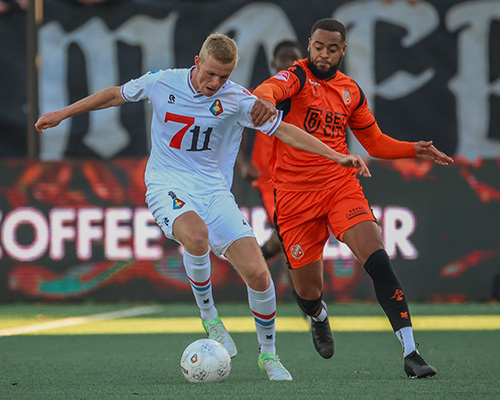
206,301
269,337
398,295
404,315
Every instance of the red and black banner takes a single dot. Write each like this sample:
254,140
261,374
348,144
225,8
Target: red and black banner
81,230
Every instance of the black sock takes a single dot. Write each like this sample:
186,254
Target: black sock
388,289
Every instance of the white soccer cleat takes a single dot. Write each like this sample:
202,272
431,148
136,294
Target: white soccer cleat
271,364
217,331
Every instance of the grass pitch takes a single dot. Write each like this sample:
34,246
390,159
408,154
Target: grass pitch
137,357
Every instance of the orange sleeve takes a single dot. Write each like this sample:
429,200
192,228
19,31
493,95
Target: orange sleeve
267,91
280,87
379,145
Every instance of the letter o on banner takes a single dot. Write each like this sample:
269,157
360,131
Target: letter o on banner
13,221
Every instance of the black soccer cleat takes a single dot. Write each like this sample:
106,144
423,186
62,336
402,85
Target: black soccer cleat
322,336
416,367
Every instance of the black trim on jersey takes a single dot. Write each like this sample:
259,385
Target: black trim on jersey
300,74
361,96
366,127
286,104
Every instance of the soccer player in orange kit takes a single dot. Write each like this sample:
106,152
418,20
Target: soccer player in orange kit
314,196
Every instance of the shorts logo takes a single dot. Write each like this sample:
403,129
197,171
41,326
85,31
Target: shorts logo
178,203
355,212
171,99
216,108
283,76
346,96
166,221
297,252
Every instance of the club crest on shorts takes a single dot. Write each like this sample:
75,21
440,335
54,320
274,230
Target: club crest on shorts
297,251
216,108
178,203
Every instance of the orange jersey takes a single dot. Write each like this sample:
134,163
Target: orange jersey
324,108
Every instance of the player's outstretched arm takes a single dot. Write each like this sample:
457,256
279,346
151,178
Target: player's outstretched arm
299,139
427,151
110,97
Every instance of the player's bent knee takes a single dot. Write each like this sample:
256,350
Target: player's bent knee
257,278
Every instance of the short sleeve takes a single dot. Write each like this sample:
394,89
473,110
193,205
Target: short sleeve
138,89
246,104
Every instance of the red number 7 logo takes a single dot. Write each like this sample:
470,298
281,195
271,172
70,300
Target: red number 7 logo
181,119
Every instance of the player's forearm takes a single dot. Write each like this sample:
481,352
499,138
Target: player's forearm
299,139
110,97
380,145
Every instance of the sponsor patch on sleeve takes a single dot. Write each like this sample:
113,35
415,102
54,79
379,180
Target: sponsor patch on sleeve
283,76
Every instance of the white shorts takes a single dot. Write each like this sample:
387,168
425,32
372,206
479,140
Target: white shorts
225,222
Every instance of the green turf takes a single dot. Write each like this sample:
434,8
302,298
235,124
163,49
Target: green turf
366,365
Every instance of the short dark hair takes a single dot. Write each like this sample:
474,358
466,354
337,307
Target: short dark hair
331,25
286,43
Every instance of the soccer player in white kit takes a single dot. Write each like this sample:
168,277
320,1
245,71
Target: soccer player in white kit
198,120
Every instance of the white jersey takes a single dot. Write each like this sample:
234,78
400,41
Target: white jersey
195,139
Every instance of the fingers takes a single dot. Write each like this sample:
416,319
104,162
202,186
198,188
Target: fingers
363,169
38,127
262,117
440,157
262,111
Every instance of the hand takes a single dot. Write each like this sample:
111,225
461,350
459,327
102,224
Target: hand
426,151
350,161
48,120
262,111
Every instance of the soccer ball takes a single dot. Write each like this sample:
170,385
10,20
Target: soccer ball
205,360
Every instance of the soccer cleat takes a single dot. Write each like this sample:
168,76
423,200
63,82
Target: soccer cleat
271,364
217,331
416,367
322,336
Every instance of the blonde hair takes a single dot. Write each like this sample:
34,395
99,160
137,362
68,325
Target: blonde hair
220,47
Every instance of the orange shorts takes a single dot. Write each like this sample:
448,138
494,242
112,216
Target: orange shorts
305,219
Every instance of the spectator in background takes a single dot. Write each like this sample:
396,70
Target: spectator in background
11,5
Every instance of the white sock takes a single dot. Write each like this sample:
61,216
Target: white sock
405,336
263,306
321,316
198,271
